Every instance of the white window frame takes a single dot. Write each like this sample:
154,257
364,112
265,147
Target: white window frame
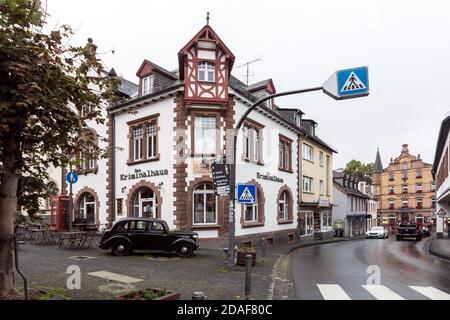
309,216
391,189
84,204
151,140
283,206
308,181
246,146
403,203
256,138
202,129
321,187
255,212
92,162
206,72
308,152
204,191
321,158
325,221
138,137
391,203
419,187
138,200
147,84
419,200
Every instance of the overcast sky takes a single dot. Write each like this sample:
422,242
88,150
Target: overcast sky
406,45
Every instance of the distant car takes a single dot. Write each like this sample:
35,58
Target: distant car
425,231
408,230
130,234
377,232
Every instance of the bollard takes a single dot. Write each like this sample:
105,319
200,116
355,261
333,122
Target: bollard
198,295
248,275
263,247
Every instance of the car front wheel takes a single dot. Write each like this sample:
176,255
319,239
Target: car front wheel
121,248
185,250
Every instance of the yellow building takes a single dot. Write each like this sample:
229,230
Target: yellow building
315,216
405,189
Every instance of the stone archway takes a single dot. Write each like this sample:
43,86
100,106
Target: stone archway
136,188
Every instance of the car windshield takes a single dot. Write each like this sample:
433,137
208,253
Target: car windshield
377,229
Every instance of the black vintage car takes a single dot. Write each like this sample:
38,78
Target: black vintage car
130,234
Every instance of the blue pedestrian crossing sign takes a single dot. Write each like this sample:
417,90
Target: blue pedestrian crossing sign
349,83
246,193
72,177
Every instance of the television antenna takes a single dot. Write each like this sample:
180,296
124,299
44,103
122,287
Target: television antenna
247,65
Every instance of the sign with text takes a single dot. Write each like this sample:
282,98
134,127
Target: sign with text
246,194
221,179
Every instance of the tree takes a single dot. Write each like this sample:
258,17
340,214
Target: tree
44,83
364,169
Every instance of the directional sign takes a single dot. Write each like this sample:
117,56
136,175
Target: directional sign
72,177
246,193
441,212
221,179
346,84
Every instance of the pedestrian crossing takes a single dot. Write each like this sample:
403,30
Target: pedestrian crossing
380,292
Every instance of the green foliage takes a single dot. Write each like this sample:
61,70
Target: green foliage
44,84
365,170
146,294
54,292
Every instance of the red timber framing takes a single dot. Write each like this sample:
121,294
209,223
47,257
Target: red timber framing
206,46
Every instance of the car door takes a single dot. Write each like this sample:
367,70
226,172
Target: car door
137,234
158,238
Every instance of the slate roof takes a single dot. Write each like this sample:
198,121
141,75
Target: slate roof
378,167
343,182
258,85
127,87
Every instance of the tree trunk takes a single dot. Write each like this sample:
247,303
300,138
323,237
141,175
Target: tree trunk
9,178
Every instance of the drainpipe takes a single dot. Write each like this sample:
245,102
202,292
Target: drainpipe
113,164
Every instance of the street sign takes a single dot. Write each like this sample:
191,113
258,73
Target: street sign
441,212
72,177
347,84
246,193
221,179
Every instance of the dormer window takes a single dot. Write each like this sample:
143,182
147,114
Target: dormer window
206,72
147,85
298,120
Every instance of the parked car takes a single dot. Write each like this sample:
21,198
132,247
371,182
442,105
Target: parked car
377,232
130,234
408,230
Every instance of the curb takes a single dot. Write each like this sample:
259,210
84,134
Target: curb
437,253
315,243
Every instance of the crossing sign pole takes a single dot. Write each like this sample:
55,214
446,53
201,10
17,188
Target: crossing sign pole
343,84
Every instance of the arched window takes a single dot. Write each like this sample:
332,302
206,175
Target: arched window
144,203
206,72
283,206
87,207
204,204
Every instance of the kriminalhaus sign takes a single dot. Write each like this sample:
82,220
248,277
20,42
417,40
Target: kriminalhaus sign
347,84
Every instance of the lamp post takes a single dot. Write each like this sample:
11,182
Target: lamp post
232,211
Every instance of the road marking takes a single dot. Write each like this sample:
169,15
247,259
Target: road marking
431,292
382,292
115,277
332,292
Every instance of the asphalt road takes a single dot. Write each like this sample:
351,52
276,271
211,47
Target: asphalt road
340,271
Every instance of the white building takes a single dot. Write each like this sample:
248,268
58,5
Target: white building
441,173
161,138
350,204
365,187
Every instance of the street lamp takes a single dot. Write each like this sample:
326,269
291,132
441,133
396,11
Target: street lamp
343,84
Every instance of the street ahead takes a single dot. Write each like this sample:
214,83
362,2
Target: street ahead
339,271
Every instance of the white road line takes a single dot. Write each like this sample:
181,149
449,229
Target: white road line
115,277
332,292
382,292
431,292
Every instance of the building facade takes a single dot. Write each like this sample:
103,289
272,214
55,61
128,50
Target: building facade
365,186
350,204
405,190
441,173
165,133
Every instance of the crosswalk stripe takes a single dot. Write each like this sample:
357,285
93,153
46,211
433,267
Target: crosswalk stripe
382,292
431,292
332,292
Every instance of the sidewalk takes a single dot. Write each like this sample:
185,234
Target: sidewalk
440,247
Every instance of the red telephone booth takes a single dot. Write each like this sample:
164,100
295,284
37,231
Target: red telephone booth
59,214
